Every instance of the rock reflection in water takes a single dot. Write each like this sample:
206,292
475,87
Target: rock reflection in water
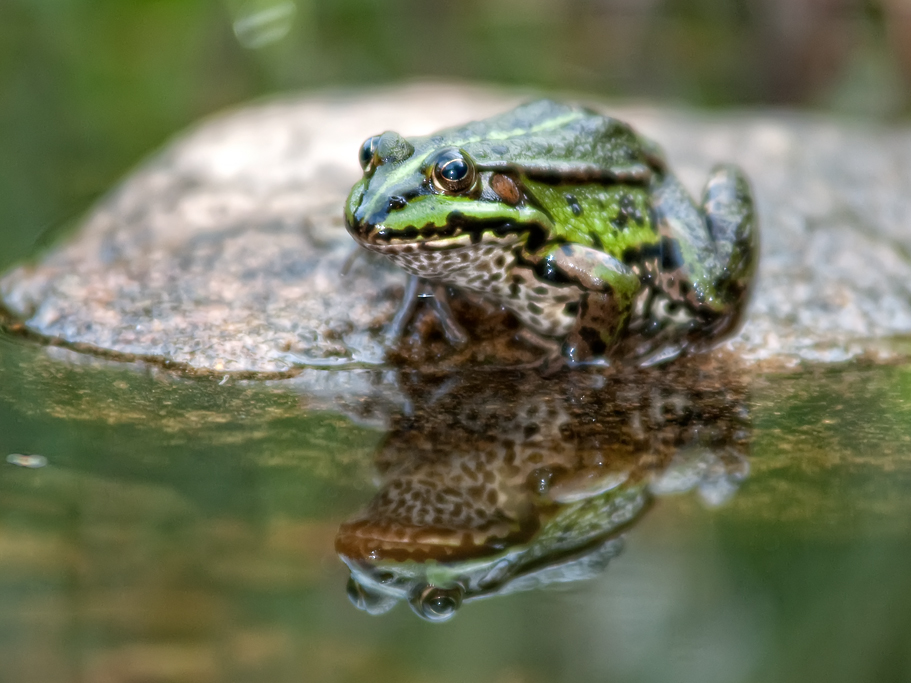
493,483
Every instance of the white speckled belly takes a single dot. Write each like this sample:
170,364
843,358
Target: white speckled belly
490,269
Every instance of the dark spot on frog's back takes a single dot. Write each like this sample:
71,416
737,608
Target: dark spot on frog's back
671,258
621,220
628,211
573,204
635,255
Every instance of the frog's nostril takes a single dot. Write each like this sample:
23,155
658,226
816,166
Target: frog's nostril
396,202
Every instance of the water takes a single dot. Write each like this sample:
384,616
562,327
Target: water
185,531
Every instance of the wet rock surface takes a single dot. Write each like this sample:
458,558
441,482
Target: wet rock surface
223,253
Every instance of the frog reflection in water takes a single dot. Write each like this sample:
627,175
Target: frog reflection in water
569,220
506,482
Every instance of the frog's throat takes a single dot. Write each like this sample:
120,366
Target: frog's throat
363,540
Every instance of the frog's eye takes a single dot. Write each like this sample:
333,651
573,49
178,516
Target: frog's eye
453,172
368,150
437,604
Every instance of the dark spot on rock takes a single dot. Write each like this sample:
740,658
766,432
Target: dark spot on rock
534,308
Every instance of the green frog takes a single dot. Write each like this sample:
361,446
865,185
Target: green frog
498,482
566,218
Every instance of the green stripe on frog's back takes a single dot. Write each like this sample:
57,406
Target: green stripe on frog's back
612,218
545,137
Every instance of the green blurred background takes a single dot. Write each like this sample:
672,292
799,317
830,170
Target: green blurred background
87,87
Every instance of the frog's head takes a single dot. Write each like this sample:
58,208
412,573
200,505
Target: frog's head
431,545
436,569
432,191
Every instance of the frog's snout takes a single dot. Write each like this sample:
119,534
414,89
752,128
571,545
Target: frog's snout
368,231
371,226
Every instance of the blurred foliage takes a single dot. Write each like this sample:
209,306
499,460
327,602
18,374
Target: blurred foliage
87,87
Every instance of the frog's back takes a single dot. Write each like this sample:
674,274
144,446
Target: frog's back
547,138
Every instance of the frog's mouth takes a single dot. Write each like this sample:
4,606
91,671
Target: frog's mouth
459,231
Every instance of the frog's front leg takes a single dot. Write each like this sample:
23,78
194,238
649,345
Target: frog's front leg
609,289
417,288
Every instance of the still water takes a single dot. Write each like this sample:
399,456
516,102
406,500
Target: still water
690,524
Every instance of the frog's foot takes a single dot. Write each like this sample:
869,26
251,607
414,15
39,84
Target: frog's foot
727,203
454,332
416,289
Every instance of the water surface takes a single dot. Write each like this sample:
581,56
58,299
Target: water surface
184,530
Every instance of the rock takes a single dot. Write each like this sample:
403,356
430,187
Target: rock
223,253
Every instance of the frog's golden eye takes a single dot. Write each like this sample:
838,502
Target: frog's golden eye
453,172
368,150
437,604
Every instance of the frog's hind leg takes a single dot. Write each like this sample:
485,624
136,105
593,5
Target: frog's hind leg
727,204
707,258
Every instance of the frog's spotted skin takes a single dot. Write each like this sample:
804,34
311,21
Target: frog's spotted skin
509,481
569,220
483,269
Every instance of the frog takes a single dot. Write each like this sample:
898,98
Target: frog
504,481
436,577
568,219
